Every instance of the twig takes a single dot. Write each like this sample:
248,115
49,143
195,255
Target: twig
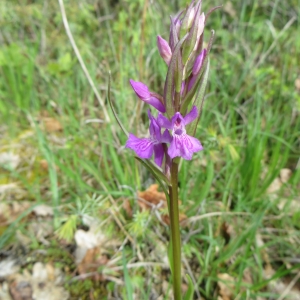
118,268
215,214
136,265
82,64
91,274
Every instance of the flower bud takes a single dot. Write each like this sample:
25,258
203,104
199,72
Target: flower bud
188,19
145,95
191,18
200,29
174,32
199,62
164,49
192,82
140,89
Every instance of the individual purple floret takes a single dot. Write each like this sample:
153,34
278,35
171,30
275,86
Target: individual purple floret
145,147
164,49
145,95
182,144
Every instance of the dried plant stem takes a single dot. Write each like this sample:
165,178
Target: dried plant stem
82,64
175,232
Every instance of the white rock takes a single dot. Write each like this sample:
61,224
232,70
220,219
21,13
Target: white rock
43,210
8,267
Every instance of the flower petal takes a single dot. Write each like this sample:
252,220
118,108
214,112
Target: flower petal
166,137
164,122
174,148
176,117
144,94
190,145
140,89
154,128
184,146
191,116
142,147
158,154
156,103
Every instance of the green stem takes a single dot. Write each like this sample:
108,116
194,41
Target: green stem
175,233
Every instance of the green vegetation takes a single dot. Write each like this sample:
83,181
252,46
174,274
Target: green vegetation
72,159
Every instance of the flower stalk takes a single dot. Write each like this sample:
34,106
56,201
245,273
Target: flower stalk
175,232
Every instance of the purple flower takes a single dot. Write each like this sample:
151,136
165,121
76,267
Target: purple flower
145,95
164,49
145,147
182,144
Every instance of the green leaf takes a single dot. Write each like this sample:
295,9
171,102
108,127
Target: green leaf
112,108
170,254
189,295
67,230
154,170
128,284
